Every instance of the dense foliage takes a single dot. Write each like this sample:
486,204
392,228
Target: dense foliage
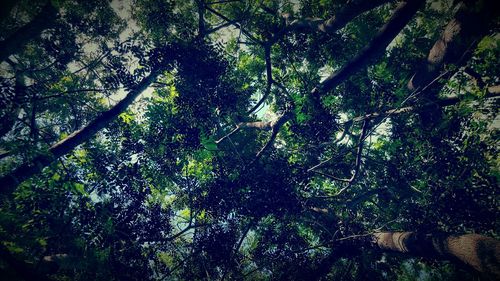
263,142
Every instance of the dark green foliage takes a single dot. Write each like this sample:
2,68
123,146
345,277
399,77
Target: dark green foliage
172,190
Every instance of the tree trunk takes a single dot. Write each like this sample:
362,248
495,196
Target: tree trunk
402,15
480,252
458,39
33,29
10,181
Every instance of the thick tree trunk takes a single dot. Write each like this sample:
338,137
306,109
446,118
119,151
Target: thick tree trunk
480,252
10,181
458,39
33,29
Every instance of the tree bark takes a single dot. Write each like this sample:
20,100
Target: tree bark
402,15
10,181
458,39
480,252
33,29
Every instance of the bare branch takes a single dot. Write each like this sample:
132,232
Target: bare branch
257,125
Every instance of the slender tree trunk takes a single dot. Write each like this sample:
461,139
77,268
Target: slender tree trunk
10,181
480,252
402,15
33,29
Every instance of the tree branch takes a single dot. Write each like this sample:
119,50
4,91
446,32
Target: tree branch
257,125
234,23
357,163
493,92
10,181
477,251
33,29
401,16
276,126
267,56
350,11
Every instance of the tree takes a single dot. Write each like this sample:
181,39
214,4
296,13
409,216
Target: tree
249,140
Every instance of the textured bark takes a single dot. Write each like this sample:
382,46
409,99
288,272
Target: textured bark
480,252
459,38
402,15
31,30
10,181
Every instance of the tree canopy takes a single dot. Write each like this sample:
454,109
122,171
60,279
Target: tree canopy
249,140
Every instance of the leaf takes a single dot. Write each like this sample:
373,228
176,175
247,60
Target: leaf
126,118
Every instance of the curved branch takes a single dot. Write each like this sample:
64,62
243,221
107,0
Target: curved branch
357,164
276,126
270,81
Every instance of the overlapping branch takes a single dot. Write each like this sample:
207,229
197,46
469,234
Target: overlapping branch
275,128
493,92
357,164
